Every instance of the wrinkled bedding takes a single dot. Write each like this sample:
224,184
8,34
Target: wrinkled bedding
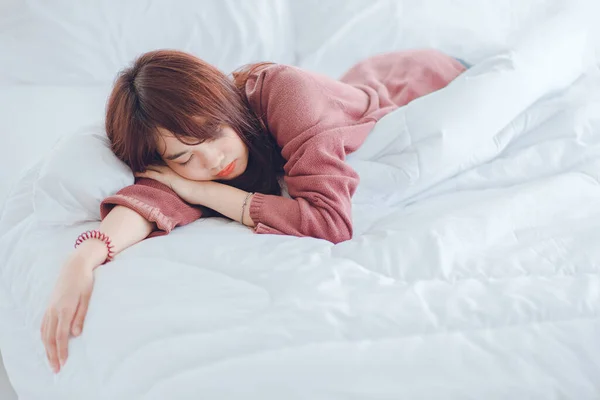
473,271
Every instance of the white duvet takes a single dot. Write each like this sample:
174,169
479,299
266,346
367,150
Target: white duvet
472,274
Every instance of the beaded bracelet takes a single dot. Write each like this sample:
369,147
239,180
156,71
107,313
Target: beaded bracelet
95,234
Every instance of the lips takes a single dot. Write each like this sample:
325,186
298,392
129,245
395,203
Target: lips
227,170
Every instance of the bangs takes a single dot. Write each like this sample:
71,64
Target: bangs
194,130
188,130
140,150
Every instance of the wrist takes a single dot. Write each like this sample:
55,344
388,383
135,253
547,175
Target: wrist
201,191
91,253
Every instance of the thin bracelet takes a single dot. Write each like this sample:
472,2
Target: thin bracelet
244,206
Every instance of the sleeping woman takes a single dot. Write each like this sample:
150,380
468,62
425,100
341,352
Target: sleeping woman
202,143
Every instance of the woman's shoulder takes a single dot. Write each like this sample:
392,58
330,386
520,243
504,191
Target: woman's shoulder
286,84
273,74
252,74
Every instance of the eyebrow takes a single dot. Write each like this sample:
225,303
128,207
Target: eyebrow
176,155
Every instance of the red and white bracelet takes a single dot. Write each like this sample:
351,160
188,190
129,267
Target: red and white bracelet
95,234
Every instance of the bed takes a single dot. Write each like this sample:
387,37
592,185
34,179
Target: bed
474,267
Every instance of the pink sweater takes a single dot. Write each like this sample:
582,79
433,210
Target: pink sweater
316,121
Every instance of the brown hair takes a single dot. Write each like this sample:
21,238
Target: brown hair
176,91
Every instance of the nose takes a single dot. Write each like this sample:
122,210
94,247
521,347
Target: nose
212,160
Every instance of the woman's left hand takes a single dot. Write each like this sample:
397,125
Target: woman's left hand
185,188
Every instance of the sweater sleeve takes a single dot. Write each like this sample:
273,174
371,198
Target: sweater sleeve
310,117
155,202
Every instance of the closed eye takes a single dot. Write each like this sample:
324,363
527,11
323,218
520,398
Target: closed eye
187,162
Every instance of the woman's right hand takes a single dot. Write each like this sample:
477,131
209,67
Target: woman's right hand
69,301
71,295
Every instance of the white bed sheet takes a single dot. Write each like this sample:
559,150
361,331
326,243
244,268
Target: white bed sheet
6,390
479,280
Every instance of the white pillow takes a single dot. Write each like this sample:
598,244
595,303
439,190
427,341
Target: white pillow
34,117
81,42
76,176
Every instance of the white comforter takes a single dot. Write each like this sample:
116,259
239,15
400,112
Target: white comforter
473,272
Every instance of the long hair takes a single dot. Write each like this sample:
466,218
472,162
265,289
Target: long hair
176,91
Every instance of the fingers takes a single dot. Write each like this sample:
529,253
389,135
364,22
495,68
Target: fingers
43,325
50,341
81,313
62,333
157,176
156,169
147,174
43,330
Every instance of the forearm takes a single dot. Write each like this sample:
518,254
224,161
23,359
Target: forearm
123,226
224,199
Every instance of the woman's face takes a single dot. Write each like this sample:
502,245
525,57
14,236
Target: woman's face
223,159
